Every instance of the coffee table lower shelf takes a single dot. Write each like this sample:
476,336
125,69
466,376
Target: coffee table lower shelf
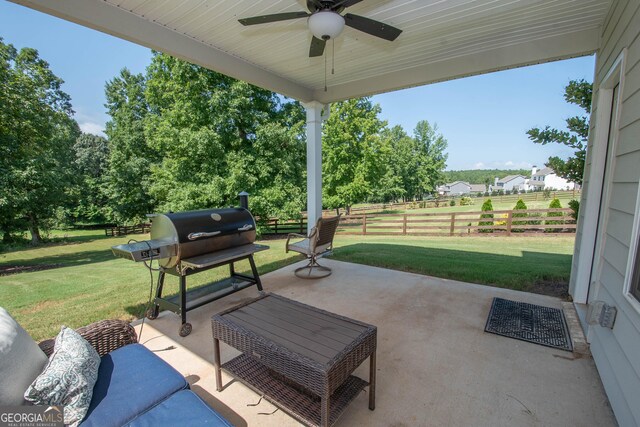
302,406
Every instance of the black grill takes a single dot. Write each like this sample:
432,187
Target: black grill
185,243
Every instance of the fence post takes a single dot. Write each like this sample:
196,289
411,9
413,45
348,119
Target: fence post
404,224
276,225
509,222
453,223
301,226
364,224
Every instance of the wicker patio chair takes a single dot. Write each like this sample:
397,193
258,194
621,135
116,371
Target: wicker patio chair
105,336
319,241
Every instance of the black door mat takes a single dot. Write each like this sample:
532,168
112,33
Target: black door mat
529,322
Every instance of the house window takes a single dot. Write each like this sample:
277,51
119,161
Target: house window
635,280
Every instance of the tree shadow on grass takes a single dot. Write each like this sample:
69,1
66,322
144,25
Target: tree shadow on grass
24,245
538,272
64,260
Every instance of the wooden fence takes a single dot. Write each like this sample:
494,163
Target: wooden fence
283,226
123,230
445,202
504,222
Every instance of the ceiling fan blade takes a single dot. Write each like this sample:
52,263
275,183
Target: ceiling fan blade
345,3
369,26
272,18
317,47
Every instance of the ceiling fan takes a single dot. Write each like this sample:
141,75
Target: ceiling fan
325,22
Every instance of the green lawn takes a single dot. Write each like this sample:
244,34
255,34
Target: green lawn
89,284
534,264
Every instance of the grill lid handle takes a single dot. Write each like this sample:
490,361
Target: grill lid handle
245,227
194,236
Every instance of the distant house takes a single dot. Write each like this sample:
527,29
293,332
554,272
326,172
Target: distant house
546,179
478,188
458,188
510,182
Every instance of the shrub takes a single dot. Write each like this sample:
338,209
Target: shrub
466,201
532,220
486,194
555,204
452,202
520,205
575,207
546,194
486,206
479,194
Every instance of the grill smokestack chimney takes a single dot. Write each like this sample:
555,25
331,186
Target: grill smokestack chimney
244,200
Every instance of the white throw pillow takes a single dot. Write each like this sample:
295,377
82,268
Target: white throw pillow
68,378
21,360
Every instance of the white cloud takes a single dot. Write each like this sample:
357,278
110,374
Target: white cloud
92,127
498,164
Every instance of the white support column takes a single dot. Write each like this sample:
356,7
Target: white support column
314,162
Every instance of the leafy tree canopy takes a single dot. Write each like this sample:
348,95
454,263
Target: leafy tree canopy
353,152
89,201
185,137
37,133
578,92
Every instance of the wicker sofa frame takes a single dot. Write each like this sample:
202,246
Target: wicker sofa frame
105,336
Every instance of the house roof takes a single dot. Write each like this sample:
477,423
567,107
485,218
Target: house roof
510,178
478,188
441,40
544,172
457,182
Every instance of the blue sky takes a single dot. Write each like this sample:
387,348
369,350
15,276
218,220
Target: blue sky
484,118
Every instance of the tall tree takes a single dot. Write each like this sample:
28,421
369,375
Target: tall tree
130,157
219,136
431,155
402,163
91,165
37,133
352,150
578,92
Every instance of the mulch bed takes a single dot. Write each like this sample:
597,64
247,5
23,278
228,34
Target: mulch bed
550,287
6,270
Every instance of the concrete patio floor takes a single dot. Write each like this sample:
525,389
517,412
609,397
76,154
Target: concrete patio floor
436,365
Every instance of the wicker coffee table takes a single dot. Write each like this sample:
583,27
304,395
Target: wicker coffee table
298,357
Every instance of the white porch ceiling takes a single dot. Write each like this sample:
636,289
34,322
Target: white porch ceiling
441,39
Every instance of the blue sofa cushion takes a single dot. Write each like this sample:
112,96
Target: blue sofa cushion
184,409
131,380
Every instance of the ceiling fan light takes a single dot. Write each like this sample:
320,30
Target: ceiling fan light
326,24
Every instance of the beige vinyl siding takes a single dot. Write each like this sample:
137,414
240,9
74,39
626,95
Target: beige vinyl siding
616,350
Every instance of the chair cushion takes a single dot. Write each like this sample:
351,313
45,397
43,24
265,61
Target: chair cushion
68,378
131,380
21,360
183,409
301,246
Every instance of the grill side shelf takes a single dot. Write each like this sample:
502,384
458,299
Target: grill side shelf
219,257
